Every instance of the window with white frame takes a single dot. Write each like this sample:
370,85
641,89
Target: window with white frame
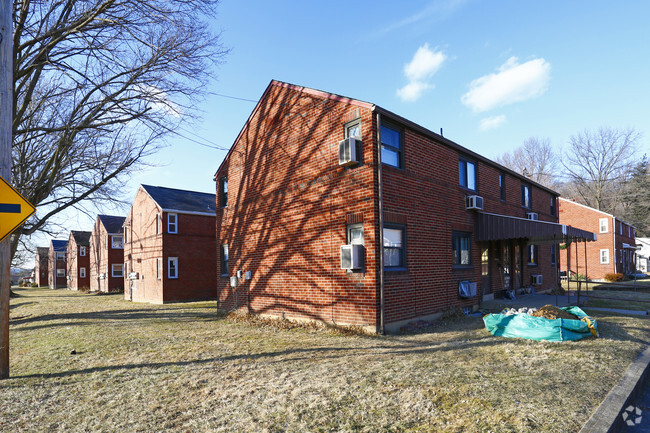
603,225
117,270
604,257
60,256
60,272
117,242
82,272
394,251
525,196
159,270
158,224
172,223
82,251
172,267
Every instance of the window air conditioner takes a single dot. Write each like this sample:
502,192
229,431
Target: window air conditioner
474,202
537,279
133,276
352,256
532,216
349,150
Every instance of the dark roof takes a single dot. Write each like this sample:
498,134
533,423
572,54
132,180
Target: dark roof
42,251
492,227
59,246
113,224
81,238
170,199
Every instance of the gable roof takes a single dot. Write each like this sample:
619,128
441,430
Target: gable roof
59,246
395,117
112,224
42,251
573,202
81,238
178,200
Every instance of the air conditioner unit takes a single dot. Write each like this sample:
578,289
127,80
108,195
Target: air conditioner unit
352,256
474,202
349,152
532,216
536,279
133,276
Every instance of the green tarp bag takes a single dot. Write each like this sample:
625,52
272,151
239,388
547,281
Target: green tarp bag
540,328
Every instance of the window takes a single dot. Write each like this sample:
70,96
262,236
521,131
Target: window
620,229
525,196
502,186
117,242
604,257
158,224
391,146
172,223
355,234
117,270
532,255
223,192
553,201
353,129
126,232
60,256
224,260
461,244
467,174
159,270
126,269
82,251
394,247
60,273
629,231
82,272
602,224
553,253
172,267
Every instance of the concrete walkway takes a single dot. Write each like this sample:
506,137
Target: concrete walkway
532,301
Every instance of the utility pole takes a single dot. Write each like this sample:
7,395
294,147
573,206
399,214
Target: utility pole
6,98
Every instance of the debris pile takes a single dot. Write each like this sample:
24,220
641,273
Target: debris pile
551,312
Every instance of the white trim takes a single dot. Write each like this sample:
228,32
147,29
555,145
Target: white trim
186,212
175,223
600,257
113,270
175,260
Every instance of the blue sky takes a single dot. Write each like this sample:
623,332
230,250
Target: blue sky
490,73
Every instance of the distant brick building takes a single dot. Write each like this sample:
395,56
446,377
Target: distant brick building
57,264
41,270
78,260
614,250
170,246
107,254
302,195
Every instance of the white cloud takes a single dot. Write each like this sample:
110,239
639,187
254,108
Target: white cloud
492,122
513,82
412,91
419,70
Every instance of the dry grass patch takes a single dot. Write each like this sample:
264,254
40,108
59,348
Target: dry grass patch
183,367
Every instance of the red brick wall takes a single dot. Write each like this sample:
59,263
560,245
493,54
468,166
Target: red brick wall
289,201
102,257
288,205
74,264
55,282
194,245
41,273
588,263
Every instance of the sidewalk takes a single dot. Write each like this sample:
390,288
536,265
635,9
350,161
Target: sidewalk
532,301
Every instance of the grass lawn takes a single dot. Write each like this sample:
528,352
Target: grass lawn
183,368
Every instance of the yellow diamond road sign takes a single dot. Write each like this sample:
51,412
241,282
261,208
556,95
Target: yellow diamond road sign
14,209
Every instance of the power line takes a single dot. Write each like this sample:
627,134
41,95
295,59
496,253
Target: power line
235,97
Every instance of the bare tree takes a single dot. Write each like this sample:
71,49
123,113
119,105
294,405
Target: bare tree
97,86
534,159
597,163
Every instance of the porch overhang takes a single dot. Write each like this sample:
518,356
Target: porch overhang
493,227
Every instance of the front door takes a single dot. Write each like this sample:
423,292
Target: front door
516,283
486,286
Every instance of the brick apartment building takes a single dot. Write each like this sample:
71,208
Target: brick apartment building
57,264
41,273
297,203
614,250
78,258
106,248
170,246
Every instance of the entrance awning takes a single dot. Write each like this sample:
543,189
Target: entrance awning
493,227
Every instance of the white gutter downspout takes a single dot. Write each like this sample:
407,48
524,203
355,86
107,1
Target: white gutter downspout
614,245
382,325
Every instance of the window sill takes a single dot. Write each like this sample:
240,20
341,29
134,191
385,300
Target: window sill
395,269
532,265
461,267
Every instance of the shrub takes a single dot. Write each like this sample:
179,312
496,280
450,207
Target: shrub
34,284
614,278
